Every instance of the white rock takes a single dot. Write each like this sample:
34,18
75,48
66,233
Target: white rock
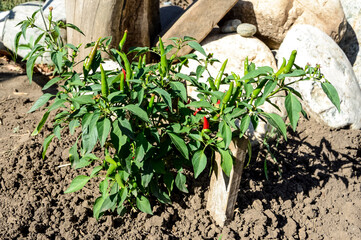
274,18
20,13
3,17
236,48
315,47
351,42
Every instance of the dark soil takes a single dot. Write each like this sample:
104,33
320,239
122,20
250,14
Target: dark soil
318,196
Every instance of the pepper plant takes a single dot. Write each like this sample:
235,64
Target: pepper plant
149,129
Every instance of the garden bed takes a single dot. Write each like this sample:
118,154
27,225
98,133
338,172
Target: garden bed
318,196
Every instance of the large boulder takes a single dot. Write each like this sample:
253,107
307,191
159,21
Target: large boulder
316,47
22,12
274,18
236,48
351,42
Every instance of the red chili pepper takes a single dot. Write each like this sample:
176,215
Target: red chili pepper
124,73
205,123
219,101
195,113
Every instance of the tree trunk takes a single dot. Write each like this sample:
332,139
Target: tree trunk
102,18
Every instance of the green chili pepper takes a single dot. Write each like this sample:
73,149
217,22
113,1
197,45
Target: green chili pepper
122,79
290,62
235,95
126,65
218,80
122,42
89,60
211,84
245,66
151,102
163,57
228,93
227,96
280,70
144,60
259,88
104,82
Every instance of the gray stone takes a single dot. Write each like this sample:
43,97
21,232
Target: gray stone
230,26
246,29
315,47
351,42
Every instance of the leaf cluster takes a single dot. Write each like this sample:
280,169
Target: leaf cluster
147,126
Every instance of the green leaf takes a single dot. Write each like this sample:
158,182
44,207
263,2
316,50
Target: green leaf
293,107
180,182
180,90
332,94
226,133
69,25
86,160
196,46
199,162
137,111
160,195
143,205
41,124
57,104
270,86
180,144
40,102
72,125
46,143
30,66
16,44
201,104
57,59
77,183
95,171
260,71
97,207
52,82
227,161
244,124
123,193
165,96
276,121
84,99
103,127
90,135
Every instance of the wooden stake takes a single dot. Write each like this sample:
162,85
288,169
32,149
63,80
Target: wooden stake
198,21
223,191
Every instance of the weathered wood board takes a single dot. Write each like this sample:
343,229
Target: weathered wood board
198,21
102,18
223,191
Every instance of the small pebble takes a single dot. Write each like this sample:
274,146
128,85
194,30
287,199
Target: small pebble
246,30
230,26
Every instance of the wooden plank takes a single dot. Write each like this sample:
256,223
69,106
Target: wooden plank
198,21
102,18
223,191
